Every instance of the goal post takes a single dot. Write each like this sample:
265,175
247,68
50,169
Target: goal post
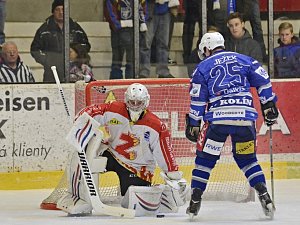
169,100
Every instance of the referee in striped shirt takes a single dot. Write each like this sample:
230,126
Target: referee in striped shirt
12,69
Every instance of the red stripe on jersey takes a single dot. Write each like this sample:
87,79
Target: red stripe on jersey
167,150
150,120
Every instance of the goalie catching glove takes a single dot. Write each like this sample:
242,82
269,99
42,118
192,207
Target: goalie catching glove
191,132
178,186
270,113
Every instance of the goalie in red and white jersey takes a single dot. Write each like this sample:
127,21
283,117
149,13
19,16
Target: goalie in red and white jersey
136,141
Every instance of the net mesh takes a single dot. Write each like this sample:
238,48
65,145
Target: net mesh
169,100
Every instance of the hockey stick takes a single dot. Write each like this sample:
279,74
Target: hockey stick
99,207
56,77
271,165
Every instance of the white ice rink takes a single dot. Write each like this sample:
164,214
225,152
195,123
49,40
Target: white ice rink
22,208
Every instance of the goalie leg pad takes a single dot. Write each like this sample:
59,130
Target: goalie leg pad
145,200
76,201
73,205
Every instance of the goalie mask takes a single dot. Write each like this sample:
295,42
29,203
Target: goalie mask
210,41
137,100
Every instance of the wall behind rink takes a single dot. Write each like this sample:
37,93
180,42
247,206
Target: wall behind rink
33,124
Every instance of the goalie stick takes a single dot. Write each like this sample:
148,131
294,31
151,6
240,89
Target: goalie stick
56,77
98,206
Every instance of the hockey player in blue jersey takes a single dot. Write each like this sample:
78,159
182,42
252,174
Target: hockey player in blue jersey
221,97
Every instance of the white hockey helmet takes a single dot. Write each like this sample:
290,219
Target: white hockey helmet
137,100
210,41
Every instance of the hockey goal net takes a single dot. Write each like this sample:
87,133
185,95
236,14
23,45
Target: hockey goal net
169,100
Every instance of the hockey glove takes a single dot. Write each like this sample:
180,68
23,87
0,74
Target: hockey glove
270,113
191,132
178,186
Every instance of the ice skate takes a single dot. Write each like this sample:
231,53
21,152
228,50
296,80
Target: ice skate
265,200
195,203
267,204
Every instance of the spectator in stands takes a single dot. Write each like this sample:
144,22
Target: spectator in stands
240,39
174,16
192,16
153,46
120,17
2,20
221,9
171,29
287,55
158,25
194,59
47,46
12,69
250,11
80,67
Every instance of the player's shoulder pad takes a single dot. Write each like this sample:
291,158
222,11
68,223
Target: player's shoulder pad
153,121
118,107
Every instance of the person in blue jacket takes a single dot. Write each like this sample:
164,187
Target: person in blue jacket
119,15
287,55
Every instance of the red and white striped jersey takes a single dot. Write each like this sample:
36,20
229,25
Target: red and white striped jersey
136,146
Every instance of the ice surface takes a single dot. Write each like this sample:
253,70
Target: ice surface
22,208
